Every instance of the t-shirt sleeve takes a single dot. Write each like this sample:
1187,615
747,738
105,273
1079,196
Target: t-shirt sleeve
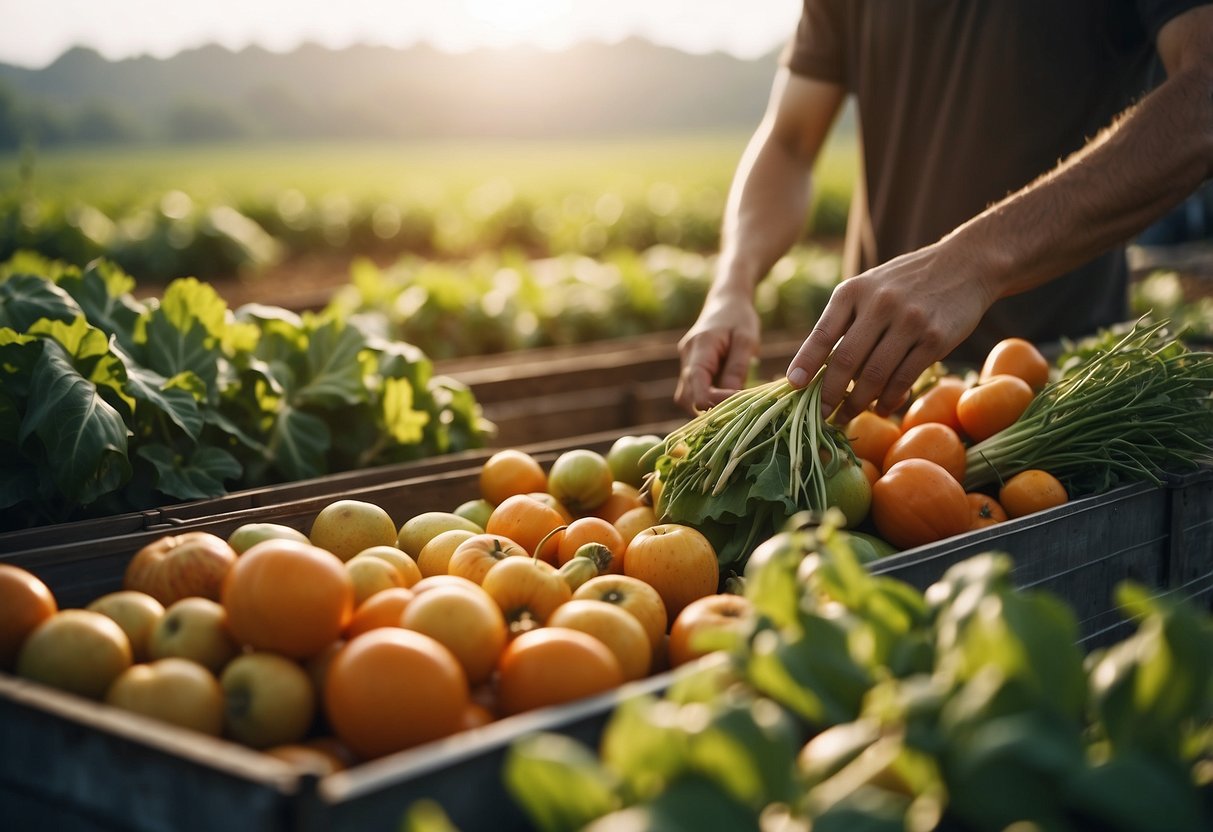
816,48
1157,13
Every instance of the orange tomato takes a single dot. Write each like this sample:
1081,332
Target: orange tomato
383,609
553,665
994,404
937,404
25,602
930,440
474,557
288,597
526,590
677,561
509,472
871,435
984,510
1031,491
1019,358
916,502
528,522
591,530
392,689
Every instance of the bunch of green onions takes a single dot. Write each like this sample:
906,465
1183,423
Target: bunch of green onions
1133,408
740,469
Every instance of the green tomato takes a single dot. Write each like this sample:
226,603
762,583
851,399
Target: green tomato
627,457
849,491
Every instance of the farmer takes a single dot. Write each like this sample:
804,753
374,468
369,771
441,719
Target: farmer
1010,148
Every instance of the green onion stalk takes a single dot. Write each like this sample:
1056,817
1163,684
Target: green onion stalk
1128,409
738,471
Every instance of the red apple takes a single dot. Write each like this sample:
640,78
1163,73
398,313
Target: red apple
178,566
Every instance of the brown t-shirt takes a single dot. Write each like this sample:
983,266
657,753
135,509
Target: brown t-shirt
962,102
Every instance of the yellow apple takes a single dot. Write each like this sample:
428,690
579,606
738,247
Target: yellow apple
195,629
177,691
346,527
80,651
136,613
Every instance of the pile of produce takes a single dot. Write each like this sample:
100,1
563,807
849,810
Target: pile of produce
852,702
368,635
111,404
1017,437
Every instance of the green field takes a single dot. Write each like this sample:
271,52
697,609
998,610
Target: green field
162,212
425,172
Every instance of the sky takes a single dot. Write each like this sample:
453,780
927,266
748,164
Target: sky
35,32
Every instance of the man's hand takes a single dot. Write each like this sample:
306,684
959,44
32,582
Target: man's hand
716,353
882,328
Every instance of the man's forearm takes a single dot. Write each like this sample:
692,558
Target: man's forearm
1153,156
764,217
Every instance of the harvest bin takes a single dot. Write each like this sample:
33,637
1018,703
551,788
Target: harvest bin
69,763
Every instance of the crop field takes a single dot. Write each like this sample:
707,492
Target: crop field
164,212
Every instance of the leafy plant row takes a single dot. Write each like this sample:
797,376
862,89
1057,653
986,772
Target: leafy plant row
855,702
110,404
498,303
178,235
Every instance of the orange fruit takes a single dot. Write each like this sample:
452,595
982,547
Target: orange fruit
1031,491
615,627
392,689
509,472
467,622
936,404
1017,357
871,435
994,404
553,665
930,440
383,609
984,510
528,522
288,597
25,602
677,561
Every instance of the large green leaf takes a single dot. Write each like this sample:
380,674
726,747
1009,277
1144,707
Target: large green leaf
84,436
103,292
155,391
27,298
298,444
171,348
334,373
200,475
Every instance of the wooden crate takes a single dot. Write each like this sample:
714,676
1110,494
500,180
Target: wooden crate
70,763
1190,553
78,571
539,399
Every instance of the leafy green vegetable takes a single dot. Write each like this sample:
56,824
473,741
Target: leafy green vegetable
737,472
109,404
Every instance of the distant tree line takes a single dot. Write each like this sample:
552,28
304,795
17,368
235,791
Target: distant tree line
23,121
